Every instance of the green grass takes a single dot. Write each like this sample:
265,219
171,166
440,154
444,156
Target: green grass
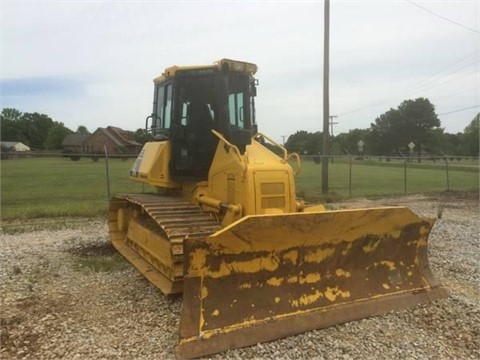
100,263
371,178
96,257
54,187
58,187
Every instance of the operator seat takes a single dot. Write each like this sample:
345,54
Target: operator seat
200,139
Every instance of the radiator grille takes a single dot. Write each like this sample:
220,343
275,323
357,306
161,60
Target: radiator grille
273,195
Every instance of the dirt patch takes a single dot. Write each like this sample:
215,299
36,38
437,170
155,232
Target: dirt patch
14,343
18,343
103,249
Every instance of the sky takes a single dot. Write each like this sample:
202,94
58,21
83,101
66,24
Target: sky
92,63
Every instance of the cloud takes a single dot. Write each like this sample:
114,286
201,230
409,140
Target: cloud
41,87
92,63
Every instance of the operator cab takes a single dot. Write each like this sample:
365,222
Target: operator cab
191,101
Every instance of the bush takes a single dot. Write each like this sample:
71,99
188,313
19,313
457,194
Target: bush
95,156
71,155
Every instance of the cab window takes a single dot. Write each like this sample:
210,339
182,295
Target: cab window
163,107
235,110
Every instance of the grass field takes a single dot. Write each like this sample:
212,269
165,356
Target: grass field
53,187
371,178
45,187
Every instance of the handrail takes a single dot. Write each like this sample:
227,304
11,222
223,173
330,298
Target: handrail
286,155
229,144
299,164
284,151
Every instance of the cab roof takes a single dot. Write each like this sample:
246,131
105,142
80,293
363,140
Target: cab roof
223,64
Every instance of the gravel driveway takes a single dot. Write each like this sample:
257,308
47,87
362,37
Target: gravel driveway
67,294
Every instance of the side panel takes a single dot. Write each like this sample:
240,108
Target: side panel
270,276
259,180
272,192
151,165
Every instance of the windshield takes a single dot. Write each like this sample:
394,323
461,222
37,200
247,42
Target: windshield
227,99
187,109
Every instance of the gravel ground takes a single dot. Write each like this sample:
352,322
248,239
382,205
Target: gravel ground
67,294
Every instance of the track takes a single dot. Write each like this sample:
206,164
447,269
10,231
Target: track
149,230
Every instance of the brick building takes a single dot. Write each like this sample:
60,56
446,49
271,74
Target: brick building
116,140
74,143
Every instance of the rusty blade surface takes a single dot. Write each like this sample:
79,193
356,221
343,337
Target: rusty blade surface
270,276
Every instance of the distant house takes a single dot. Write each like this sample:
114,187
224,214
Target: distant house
74,143
14,146
116,141
12,149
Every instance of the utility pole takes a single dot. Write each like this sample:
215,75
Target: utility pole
326,110
283,139
331,133
332,123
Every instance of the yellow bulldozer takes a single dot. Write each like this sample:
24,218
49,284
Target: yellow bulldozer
224,226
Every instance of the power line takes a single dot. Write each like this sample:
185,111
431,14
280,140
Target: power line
442,17
445,68
332,123
447,113
445,82
455,111
417,86
454,94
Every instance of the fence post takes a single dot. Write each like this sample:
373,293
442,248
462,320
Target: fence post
445,156
349,173
107,172
350,177
404,172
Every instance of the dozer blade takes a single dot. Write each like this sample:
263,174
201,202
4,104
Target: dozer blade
270,276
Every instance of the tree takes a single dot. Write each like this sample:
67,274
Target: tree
9,125
55,136
35,127
453,143
349,141
470,137
10,114
383,132
410,122
142,136
304,142
82,130
439,142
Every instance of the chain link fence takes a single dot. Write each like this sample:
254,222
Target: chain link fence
351,176
46,184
